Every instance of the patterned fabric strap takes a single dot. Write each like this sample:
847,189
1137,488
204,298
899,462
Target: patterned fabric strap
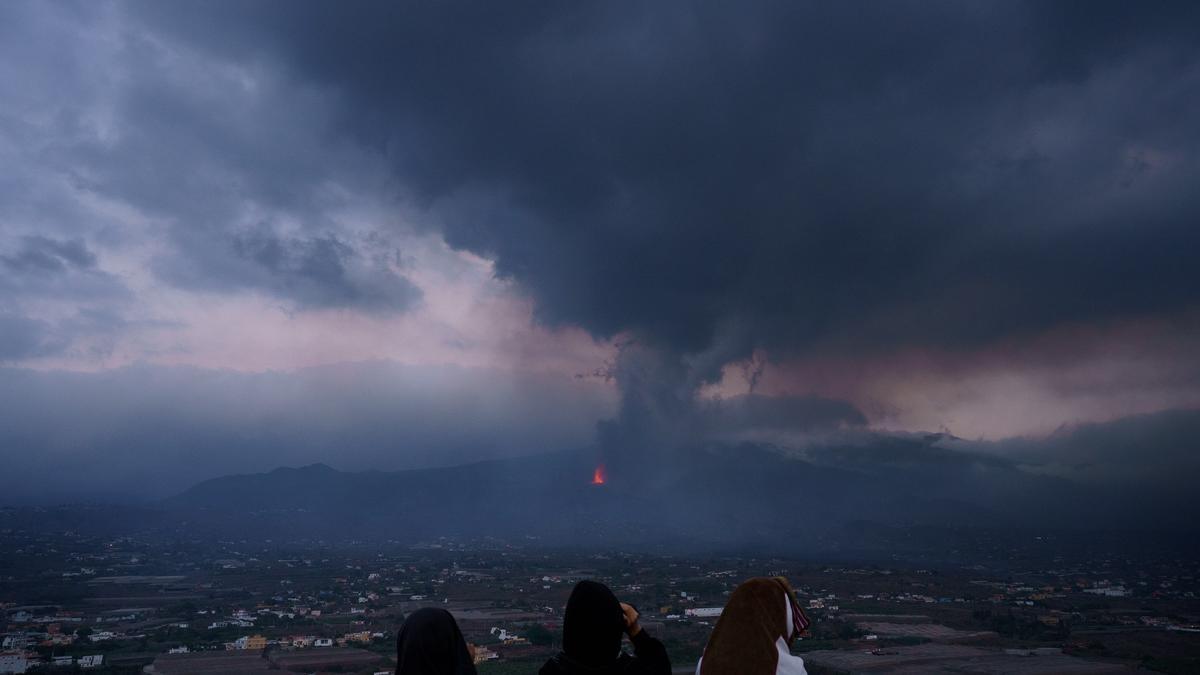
800,622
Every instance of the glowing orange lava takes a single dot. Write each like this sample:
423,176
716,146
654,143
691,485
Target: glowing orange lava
598,475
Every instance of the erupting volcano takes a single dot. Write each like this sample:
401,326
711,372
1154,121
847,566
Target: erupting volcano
598,475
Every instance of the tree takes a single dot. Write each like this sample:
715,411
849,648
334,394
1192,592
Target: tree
537,634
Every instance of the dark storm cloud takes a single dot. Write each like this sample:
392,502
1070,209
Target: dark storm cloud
798,413
732,176
42,267
1157,449
23,337
44,254
318,272
310,272
118,137
712,178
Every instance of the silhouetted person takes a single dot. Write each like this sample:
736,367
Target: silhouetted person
430,643
592,628
755,632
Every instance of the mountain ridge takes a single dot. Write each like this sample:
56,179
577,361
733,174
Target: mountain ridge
726,494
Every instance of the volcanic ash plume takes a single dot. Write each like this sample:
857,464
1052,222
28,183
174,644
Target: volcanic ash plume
658,413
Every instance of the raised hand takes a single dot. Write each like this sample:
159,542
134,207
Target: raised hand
631,619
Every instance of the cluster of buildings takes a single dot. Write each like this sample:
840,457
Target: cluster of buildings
507,637
261,642
24,662
236,605
19,650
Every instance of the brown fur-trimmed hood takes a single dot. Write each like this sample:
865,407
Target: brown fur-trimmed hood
746,638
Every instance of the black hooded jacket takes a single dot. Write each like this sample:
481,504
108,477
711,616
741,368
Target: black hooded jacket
592,630
430,643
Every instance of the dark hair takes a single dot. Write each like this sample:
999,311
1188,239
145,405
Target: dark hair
430,643
593,625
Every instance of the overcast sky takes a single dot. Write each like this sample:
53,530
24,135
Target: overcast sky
383,235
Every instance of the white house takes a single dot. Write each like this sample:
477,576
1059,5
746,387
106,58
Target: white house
13,663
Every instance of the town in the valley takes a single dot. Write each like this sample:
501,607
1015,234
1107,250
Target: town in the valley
78,603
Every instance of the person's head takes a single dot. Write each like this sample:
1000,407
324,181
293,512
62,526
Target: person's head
430,643
593,625
760,612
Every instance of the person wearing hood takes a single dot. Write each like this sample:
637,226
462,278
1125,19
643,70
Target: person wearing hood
430,643
755,632
592,628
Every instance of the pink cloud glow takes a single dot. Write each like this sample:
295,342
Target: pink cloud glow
1020,386
467,318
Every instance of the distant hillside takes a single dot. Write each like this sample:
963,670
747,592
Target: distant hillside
724,496
897,497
